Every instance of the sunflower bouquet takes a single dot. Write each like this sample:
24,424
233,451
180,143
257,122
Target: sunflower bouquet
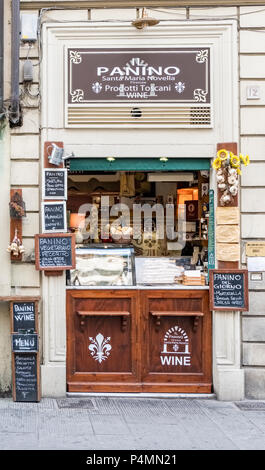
228,169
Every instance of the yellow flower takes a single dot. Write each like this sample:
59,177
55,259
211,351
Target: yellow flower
245,159
217,163
223,154
239,172
234,160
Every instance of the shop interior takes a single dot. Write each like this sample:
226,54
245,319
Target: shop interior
115,246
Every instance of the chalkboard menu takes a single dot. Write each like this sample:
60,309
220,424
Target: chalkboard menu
26,377
229,289
22,342
23,316
25,347
54,184
55,251
54,217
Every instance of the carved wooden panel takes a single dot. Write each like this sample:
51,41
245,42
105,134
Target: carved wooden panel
138,341
102,349
176,353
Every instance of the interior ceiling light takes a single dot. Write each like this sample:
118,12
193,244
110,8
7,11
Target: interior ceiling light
144,20
163,159
111,159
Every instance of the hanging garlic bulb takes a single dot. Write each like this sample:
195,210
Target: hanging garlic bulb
16,248
233,190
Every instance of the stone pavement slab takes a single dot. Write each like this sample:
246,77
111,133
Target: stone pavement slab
113,423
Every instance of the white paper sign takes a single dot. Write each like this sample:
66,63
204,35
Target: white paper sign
256,263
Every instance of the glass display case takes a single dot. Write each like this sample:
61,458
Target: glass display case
103,266
151,270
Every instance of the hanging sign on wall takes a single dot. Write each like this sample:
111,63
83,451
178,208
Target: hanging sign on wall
55,251
229,289
54,183
109,75
23,316
54,216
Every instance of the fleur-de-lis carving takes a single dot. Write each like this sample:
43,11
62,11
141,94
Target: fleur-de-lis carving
99,347
200,95
75,57
136,61
202,56
77,95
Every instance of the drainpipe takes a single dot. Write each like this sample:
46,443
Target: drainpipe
2,116
15,117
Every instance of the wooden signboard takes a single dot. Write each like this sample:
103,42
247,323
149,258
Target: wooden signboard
229,289
54,183
25,350
55,252
54,217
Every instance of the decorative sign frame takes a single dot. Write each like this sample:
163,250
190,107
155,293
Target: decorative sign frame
176,75
53,267
241,288
55,229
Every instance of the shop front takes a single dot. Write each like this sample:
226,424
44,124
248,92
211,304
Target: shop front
139,121
138,317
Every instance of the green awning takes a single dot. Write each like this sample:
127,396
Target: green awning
139,164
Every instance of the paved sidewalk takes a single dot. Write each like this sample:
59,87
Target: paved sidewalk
99,423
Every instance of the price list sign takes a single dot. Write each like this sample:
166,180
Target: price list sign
229,289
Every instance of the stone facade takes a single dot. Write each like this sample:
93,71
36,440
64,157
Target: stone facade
23,170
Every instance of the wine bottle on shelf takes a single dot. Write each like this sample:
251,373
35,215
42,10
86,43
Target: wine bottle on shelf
199,264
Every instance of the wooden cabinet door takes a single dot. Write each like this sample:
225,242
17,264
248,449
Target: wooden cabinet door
176,341
103,352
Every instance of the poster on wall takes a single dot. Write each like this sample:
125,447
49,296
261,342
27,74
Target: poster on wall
175,75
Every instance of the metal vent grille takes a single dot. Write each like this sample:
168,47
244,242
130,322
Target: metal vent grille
130,116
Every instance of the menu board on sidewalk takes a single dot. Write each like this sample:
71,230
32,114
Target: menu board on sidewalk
229,289
55,251
25,349
25,385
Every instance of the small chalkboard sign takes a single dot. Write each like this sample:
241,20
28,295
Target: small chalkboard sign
23,316
55,251
54,217
26,380
54,183
229,289
22,342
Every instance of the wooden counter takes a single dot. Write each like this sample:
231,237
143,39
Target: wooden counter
139,340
